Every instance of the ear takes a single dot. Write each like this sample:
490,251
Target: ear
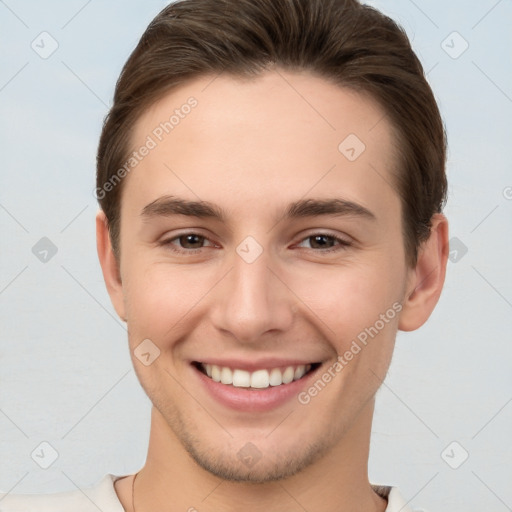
109,265
426,279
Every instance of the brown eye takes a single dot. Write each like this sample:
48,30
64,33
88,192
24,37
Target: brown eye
186,243
323,242
191,241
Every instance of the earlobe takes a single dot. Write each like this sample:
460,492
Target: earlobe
427,278
109,265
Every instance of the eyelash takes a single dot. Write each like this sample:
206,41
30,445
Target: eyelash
341,243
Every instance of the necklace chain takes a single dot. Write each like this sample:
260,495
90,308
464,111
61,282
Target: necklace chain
133,491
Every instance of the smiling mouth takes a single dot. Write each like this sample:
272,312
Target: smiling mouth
258,379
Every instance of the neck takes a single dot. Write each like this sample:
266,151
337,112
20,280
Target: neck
171,479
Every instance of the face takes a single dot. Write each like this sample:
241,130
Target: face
261,245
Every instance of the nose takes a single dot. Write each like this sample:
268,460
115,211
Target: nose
253,300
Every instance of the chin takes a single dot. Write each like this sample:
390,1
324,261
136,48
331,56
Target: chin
249,465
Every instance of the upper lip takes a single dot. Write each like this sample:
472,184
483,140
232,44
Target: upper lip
244,364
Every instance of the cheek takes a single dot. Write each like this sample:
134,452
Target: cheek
352,300
160,299
362,310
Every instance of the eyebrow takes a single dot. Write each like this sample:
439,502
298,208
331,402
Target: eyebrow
167,206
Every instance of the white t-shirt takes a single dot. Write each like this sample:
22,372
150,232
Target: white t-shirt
102,496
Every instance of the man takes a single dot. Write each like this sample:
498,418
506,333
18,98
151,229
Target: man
271,181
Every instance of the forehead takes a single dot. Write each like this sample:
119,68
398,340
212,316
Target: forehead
276,137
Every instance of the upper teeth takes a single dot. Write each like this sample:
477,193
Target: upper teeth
258,379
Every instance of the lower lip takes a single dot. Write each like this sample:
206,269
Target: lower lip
254,400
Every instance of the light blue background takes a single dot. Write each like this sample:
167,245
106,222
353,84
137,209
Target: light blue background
65,372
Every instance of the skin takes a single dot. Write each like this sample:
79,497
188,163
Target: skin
251,147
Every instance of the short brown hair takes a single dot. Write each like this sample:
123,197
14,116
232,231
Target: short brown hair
343,41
